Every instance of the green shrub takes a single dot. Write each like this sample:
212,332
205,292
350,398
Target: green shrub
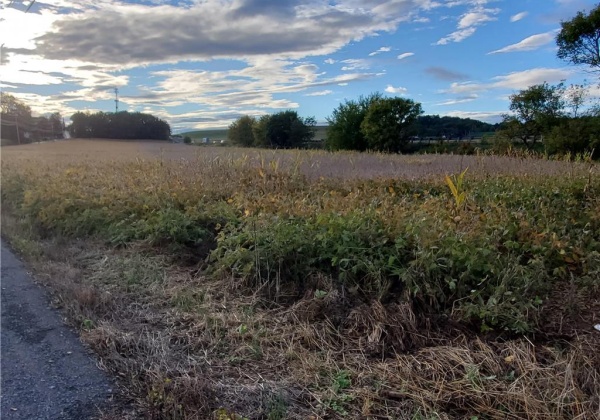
575,136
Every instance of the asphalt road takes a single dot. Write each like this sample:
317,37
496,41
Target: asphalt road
46,371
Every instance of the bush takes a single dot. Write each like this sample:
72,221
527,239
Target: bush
575,136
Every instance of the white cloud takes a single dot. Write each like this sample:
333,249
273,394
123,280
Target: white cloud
457,36
476,18
524,79
470,21
405,55
379,51
330,61
320,93
136,34
518,16
397,90
355,64
491,117
516,81
530,43
421,20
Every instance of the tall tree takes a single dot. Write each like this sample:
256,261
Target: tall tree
16,118
240,131
575,97
56,122
579,39
259,130
287,130
535,109
389,123
344,124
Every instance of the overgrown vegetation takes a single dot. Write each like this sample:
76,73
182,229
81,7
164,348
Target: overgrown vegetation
283,130
259,261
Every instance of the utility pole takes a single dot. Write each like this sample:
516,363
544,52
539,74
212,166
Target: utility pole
116,100
17,126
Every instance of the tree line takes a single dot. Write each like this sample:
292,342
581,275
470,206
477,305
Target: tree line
20,126
119,125
283,130
380,124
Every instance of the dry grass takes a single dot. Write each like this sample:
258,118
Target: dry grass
185,345
313,164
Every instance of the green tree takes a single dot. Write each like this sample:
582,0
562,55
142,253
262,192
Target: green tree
535,109
240,131
287,130
389,123
15,117
579,39
121,125
344,124
575,135
259,130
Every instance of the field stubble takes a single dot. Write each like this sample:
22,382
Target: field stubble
296,284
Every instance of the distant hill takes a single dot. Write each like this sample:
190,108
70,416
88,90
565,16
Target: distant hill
213,134
452,127
221,133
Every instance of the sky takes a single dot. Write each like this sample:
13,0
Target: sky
203,63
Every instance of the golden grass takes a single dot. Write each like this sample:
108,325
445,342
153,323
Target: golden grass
310,163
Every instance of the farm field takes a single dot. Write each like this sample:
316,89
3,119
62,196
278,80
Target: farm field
239,283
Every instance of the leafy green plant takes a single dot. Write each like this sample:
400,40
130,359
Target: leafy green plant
455,183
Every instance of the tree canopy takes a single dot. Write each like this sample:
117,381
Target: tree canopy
344,132
287,130
283,130
120,125
579,39
534,110
240,131
389,123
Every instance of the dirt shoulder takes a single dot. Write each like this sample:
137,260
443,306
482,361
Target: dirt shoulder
46,371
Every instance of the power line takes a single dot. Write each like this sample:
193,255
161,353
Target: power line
29,7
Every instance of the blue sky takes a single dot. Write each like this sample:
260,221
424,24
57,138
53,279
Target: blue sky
203,63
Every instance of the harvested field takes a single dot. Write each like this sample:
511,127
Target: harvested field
238,283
